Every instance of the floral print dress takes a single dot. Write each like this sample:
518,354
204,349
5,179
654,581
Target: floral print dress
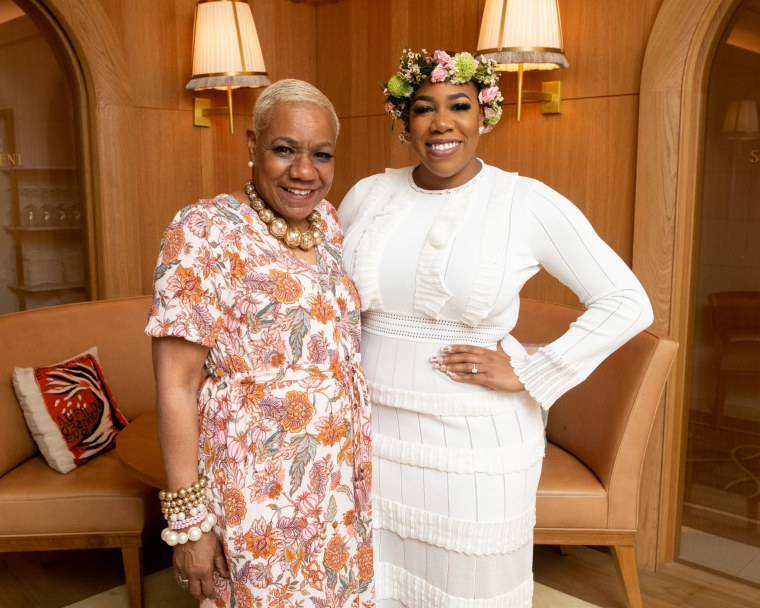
283,417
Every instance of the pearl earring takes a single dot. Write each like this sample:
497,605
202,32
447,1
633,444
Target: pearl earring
250,162
481,130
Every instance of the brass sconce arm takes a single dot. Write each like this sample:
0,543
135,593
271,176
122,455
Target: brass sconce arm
202,110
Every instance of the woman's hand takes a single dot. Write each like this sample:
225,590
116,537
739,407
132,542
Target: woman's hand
196,562
477,365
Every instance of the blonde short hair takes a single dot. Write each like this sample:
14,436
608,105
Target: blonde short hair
289,90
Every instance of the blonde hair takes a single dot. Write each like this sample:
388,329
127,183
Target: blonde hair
289,90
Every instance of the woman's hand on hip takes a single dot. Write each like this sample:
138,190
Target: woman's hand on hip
196,562
476,365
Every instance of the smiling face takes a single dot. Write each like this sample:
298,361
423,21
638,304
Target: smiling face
444,119
293,159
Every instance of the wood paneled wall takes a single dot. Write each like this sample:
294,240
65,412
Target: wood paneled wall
146,160
588,153
150,160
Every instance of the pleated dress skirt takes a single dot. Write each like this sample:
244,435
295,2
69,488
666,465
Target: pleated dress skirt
455,475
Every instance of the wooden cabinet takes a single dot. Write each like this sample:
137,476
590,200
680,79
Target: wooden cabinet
48,236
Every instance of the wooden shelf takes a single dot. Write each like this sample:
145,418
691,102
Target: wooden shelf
24,168
47,287
58,245
32,229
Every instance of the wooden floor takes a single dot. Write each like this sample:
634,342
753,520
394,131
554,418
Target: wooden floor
57,578
590,575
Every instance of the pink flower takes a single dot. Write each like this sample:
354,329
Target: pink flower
246,306
367,430
308,503
258,434
439,73
488,95
221,437
309,532
388,106
225,406
236,450
231,324
442,57
486,129
179,328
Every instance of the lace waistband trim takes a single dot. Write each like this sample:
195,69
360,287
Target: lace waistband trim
417,328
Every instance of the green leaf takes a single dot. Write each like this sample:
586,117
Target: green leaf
332,508
305,449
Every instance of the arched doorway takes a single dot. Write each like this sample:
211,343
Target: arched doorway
669,186
44,238
104,116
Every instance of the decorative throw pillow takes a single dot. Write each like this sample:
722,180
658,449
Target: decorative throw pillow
69,409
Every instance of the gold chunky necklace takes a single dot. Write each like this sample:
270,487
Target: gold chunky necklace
279,227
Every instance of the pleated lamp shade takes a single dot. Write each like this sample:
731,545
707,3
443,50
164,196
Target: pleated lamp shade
741,120
226,49
522,32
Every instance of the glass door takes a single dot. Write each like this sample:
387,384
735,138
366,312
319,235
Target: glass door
721,509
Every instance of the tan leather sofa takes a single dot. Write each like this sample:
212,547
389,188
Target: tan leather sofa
98,504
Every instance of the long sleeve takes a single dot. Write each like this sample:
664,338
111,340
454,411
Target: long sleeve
617,307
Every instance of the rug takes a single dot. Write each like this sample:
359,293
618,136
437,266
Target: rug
161,591
723,477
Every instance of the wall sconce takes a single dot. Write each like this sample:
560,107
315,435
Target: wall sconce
525,35
226,54
740,121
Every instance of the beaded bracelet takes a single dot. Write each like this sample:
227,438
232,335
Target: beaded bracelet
173,537
177,506
191,520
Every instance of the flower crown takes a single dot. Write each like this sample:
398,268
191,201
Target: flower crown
440,66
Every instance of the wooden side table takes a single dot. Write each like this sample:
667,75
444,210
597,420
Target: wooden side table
138,449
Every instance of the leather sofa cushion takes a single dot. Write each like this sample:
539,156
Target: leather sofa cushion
569,494
99,496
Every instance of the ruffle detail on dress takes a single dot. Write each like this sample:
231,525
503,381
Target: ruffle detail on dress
463,536
480,403
395,583
383,219
546,376
492,461
492,246
431,293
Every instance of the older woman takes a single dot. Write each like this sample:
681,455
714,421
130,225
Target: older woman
439,253
262,417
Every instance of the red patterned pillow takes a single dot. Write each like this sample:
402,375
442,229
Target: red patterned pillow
69,409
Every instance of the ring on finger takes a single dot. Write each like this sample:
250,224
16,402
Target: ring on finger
474,369
182,580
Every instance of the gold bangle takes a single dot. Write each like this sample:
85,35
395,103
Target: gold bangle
191,493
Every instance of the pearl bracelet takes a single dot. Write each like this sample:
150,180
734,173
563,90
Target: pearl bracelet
172,537
196,518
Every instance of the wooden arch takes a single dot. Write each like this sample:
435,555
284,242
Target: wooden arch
90,50
671,125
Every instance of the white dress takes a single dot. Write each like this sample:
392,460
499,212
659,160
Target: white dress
456,467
